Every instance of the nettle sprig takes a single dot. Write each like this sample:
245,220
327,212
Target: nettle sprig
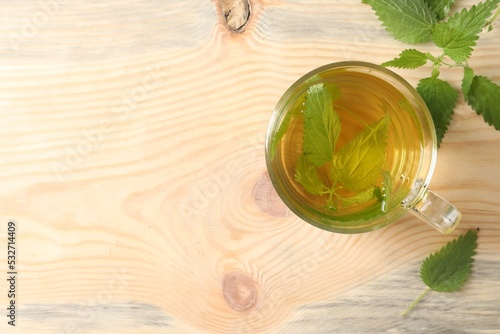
354,167
448,269
422,21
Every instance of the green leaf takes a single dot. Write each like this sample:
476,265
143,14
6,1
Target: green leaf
440,99
484,98
321,124
467,81
409,58
358,163
409,21
441,7
459,33
359,198
448,269
308,176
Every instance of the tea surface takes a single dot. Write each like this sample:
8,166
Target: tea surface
349,146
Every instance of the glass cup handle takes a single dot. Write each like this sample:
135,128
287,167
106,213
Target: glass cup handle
437,212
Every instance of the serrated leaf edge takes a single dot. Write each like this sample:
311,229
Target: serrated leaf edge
446,249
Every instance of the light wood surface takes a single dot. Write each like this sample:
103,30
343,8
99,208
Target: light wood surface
132,161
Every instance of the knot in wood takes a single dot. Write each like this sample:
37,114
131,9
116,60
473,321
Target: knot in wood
267,198
240,291
236,14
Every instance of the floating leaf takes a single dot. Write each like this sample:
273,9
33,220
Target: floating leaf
308,176
321,125
359,162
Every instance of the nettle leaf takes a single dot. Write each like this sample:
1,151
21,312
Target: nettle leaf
359,162
409,58
384,193
484,97
440,99
408,21
448,269
441,7
308,176
321,124
360,198
459,33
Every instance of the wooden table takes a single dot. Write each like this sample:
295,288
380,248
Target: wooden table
132,162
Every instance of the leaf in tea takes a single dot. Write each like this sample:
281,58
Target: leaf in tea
321,124
358,163
354,173
308,176
359,198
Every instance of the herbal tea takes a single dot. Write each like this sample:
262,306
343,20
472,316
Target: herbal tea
348,146
351,147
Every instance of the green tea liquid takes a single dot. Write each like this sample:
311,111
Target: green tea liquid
364,99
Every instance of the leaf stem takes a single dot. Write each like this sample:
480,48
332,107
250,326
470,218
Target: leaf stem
412,305
493,18
431,57
354,114
453,65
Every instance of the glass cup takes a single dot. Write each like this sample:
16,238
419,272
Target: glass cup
332,195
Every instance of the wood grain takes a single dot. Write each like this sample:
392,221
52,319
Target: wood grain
132,155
